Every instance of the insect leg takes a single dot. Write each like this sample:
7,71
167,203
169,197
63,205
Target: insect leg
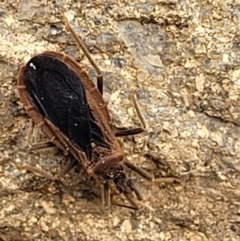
31,168
37,170
167,180
57,139
135,189
86,52
122,131
166,166
149,177
30,134
134,101
36,146
106,194
139,171
47,174
132,131
131,200
41,145
107,197
67,168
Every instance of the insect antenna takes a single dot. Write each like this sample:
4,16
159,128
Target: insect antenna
86,52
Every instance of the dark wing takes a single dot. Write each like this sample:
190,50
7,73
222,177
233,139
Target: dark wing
58,94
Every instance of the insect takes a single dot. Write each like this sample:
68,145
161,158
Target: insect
69,108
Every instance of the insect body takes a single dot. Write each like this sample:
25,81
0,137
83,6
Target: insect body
63,101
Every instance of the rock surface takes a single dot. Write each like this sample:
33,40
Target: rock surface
183,58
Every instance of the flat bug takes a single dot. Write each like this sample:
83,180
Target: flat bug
63,101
